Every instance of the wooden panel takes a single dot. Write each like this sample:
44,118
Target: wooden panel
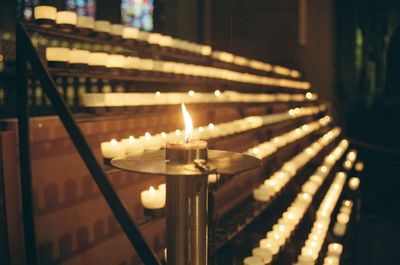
9,168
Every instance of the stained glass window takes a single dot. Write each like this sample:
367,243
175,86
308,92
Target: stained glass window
82,7
138,13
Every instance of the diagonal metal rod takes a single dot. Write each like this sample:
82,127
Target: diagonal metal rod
24,152
128,225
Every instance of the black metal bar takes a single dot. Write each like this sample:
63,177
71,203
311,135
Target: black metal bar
128,225
24,151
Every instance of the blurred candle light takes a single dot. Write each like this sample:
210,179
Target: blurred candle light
152,198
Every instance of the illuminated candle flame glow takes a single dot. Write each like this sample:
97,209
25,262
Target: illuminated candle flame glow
188,124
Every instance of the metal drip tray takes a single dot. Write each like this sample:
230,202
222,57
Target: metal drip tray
154,162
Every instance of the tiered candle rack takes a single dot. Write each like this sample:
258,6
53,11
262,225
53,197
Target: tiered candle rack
221,230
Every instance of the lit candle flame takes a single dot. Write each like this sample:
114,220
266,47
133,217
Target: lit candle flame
188,124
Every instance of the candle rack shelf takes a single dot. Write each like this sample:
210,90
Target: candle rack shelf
244,238
240,217
161,80
139,47
87,127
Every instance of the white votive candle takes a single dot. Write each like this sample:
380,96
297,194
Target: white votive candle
57,54
133,146
102,26
335,249
151,143
162,187
354,183
85,22
66,18
152,198
263,253
331,260
98,59
261,195
339,229
112,148
343,218
359,166
213,178
253,261
270,245
45,12
79,56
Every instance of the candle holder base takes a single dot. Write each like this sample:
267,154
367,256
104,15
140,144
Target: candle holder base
157,213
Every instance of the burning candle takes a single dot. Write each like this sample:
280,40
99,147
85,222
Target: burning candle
359,166
112,149
330,260
193,149
132,145
354,183
152,198
270,245
335,249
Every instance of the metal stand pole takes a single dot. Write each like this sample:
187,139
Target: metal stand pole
24,152
187,217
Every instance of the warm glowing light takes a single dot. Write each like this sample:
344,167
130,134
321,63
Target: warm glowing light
158,93
188,124
147,135
131,139
152,190
217,93
114,142
191,93
163,135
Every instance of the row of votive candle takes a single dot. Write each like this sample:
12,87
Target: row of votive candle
150,142
286,225
173,98
71,19
267,148
350,160
155,198
312,247
333,255
257,65
65,56
51,15
289,169
343,218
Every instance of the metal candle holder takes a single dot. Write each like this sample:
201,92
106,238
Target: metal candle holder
186,172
